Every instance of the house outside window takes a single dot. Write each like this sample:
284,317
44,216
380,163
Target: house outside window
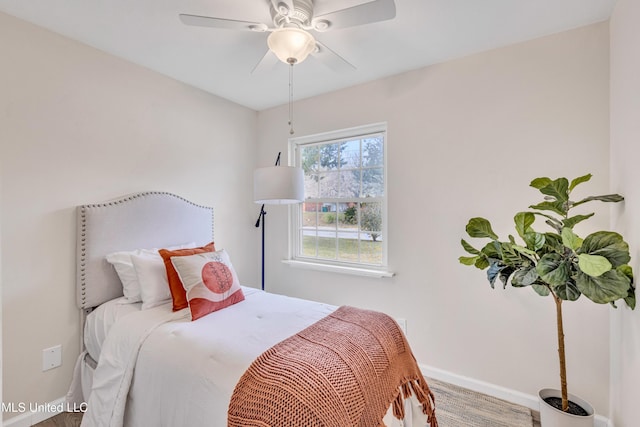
342,221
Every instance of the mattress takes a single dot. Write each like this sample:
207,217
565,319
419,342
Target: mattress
192,367
99,323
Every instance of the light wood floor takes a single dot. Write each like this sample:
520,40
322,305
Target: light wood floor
73,420
65,419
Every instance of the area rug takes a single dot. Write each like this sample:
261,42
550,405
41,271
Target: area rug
459,407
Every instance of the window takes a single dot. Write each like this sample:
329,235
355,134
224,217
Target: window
342,221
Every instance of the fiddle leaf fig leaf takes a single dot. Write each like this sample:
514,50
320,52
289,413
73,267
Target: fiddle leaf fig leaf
523,221
482,262
555,223
526,252
480,227
553,269
605,288
470,249
505,273
541,290
492,273
570,239
468,260
510,256
608,198
524,277
579,180
631,300
540,182
558,189
535,241
557,207
593,265
491,250
570,222
568,291
627,271
608,244
553,242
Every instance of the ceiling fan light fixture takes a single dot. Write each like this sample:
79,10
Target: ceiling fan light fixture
291,45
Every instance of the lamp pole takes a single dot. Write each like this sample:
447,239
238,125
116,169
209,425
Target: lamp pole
260,222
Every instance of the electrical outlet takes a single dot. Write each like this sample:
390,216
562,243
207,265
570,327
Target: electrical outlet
403,325
51,357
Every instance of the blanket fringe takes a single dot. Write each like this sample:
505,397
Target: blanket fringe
427,399
398,406
424,396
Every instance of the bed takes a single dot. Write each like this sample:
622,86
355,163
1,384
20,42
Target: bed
147,361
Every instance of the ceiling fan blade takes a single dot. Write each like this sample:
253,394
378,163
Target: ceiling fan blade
268,61
373,11
229,24
331,59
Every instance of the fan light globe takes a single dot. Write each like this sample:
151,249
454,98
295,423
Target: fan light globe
291,45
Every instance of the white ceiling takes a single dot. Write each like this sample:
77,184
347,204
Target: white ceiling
424,32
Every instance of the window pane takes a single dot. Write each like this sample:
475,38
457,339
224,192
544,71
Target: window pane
309,244
371,221
348,247
348,217
310,158
329,156
373,182
371,252
350,155
329,184
349,183
327,247
327,217
310,215
372,151
311,189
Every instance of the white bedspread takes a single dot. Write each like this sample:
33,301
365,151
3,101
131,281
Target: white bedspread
158,368
100,321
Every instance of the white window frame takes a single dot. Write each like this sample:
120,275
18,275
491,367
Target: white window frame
356,268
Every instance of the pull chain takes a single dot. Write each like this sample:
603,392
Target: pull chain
291,97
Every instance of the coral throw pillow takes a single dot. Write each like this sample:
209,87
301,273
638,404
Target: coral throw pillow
210,282
178,294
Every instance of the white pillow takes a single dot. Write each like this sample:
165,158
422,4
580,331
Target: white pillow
152,277
123,265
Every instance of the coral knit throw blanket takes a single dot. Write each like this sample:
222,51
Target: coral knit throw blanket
345,370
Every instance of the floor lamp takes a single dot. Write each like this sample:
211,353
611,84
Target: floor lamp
276,185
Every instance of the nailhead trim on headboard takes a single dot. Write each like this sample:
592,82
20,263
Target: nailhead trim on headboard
83,254
83,231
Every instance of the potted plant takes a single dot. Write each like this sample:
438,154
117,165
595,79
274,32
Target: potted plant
558,263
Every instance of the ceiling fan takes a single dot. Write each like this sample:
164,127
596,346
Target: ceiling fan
292,20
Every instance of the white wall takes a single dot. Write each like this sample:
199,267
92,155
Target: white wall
80,126
465,138
625,175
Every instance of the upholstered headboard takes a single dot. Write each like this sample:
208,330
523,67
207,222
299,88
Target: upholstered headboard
142,220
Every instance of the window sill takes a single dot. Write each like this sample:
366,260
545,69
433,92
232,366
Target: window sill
356,271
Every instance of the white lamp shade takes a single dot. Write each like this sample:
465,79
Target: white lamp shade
291,45
278,185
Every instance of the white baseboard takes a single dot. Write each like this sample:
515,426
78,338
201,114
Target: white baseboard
31,413
513,396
